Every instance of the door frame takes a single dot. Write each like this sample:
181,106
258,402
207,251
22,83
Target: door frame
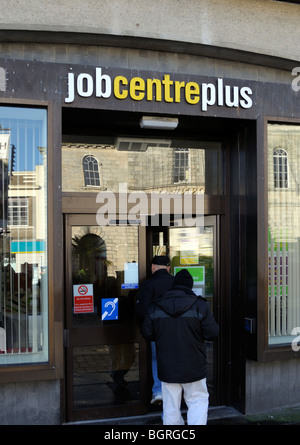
77,205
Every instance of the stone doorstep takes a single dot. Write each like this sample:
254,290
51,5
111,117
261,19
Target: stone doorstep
155,418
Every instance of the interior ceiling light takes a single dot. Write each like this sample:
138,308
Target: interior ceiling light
158,123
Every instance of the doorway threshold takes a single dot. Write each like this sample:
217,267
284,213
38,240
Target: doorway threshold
214,413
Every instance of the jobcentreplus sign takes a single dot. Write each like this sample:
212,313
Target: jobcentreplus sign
164,89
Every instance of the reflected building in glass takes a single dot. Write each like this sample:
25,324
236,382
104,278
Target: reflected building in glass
143,166
284,231
24,287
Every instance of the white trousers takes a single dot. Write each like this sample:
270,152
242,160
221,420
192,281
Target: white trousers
196,398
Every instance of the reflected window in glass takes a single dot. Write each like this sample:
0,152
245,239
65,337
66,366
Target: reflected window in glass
148,166
280,168
18,211
91,171
181,165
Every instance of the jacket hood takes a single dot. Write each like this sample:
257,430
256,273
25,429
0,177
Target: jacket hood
177,300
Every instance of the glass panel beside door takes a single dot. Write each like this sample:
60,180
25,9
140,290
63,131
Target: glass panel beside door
104,342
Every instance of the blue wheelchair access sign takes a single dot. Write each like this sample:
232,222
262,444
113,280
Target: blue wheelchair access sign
110,309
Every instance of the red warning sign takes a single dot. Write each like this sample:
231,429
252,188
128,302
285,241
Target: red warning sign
83,298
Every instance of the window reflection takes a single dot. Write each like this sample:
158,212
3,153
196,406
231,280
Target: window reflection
160,166
23,227
106,375
283,231
105,261
280,168
91,171
181,165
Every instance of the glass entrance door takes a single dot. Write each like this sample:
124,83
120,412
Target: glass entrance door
195,248
105,351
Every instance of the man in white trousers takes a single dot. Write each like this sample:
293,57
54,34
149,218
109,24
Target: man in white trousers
179,322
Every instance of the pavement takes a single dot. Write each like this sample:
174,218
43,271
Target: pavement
217,416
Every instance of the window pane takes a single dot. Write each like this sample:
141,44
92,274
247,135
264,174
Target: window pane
283,231
102,258
160,165
23,230
113,378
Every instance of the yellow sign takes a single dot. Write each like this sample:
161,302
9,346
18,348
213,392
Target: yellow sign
189,257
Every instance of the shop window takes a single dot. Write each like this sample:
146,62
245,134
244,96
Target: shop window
280,158
283,232
91,171
23,236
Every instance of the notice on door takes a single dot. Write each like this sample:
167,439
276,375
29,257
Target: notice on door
83,298
131,276
110,309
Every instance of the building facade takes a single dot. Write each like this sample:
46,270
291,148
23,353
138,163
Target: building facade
129,129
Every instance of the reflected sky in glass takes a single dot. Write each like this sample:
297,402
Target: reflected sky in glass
28,134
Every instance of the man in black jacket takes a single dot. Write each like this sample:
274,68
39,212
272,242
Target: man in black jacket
179,322
150,290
